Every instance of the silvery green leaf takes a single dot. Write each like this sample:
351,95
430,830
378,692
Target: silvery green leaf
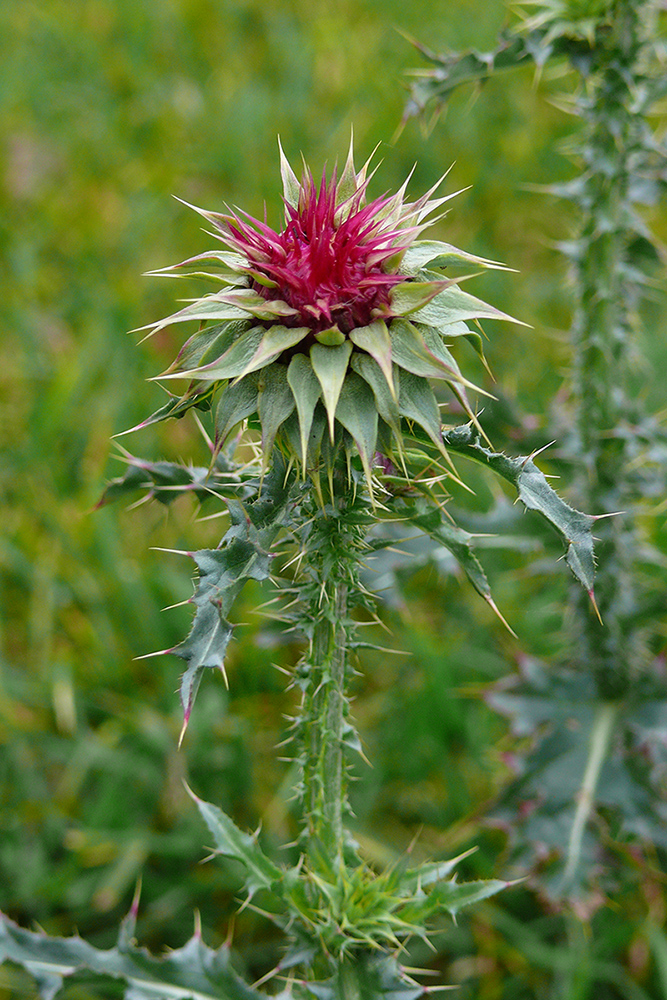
237,402
330,365
453,305
431,253
275,403
307,390
291,186
231,364
412,296
210,307
275,340
207,344
536,493
387,405
357,412
376,341
417,402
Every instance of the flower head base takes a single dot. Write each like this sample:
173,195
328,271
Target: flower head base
326,332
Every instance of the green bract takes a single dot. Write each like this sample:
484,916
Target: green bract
324,335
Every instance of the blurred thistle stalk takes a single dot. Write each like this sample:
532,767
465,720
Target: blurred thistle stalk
618,451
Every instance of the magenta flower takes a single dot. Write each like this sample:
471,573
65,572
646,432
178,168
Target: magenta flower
330,327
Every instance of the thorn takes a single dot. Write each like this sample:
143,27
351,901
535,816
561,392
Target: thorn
595,605
615,513
492,604
186,719
197,931
158,652
175,552
134,908
534,454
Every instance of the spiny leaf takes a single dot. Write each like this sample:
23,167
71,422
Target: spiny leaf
198,396
386,404
205,309
291,186
261,873
164,481
411,296
207,344
435,523
193,972
243,555
536,493
275,340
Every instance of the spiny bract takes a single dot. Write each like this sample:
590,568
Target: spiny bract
327,331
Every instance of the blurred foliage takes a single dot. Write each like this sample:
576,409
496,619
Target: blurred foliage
106,111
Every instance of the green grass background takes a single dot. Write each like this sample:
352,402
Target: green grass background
107,109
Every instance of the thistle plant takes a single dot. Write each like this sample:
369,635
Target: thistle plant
315,356
599,718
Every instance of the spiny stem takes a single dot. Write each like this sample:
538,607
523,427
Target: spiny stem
324,779
332,546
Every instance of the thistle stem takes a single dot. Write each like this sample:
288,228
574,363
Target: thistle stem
324,769
603,336
332,546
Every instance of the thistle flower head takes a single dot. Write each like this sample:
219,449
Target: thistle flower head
326,332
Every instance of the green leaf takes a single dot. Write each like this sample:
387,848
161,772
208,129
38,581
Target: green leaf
536,494
435,523
387,405
261,873
198,396
237,402
275,404
275,340
431,253
358,414
193,972
376,341
411,296
453,896
455,330
207,344
348,184
164,481
307,390
453,306
417,402
422,352
243,554
255,304
237,357
330,365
